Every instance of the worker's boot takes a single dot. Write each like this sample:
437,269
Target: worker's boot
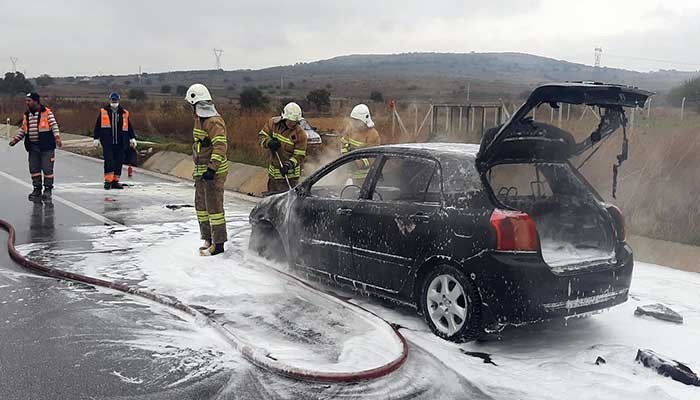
47,193
213,250
108,185
206,245
117,185
35,194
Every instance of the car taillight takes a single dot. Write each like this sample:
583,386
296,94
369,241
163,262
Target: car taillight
618,219
515,231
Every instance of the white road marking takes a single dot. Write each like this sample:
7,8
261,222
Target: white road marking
65,202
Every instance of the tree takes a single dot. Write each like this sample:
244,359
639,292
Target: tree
320,98
376,96
290,85
165,89
253,99
247,78
181,90
137,94
14,83
690,89
127,82
44,80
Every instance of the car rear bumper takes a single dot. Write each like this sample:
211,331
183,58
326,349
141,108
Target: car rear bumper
517,289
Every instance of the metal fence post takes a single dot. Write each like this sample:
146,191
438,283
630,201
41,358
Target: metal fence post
682,108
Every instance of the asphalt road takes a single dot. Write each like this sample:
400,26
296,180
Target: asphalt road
62,340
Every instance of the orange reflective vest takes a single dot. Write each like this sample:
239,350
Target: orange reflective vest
106,123
44,125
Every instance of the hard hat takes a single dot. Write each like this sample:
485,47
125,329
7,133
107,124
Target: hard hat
114,96
292,112
361,112
197,93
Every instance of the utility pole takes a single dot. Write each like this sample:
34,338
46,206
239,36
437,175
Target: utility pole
14,60
598,54
469,86
217,54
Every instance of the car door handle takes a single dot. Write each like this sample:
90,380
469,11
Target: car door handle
343,211
419,218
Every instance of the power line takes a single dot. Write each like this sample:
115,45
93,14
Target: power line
652,59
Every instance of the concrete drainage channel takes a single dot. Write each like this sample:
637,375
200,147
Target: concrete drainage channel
254,355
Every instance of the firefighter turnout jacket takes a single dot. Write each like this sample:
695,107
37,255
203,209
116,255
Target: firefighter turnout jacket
292,150
210,146
354,139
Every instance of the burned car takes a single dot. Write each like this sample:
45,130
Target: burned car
475,237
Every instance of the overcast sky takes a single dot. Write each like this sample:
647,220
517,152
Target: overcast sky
87,37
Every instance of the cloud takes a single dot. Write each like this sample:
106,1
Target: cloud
79,37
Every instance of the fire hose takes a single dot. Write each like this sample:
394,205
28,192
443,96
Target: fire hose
255,355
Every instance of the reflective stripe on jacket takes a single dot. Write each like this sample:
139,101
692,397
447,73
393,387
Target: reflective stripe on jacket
292,150
354,139
210,146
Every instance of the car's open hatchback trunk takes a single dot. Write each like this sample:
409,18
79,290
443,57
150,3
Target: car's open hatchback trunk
574,228
526,163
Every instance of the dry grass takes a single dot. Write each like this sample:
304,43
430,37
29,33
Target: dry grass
658,186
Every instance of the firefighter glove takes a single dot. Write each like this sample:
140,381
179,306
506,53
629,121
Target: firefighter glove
96,142
286,167
209,175
274,145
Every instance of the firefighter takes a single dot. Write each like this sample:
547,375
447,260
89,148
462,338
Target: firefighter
41,136
114,132
286,141
210,169
359,133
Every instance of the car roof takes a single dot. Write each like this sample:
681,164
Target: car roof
436,150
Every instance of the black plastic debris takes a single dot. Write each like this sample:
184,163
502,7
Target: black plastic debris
178,206
600,360
484,356
659,311
667,367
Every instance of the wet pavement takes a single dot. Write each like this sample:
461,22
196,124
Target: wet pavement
63,340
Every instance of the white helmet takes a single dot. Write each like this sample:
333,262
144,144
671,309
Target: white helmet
361,112
292,112
197,93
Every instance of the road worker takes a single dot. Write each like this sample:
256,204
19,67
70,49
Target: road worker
286,141
115,133
359,133
41,136
209,152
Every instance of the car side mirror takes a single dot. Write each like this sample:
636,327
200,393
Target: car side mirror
301,191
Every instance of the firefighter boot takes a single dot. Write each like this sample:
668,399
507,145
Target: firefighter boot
213,250
47,193
108,185
117,185
206,245
35,194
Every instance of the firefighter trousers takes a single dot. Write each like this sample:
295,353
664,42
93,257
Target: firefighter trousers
280,185
209,204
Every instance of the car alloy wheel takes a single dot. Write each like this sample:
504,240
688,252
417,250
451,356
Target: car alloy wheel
451,305
447,304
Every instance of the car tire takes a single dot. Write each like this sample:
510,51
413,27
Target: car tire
451,305
266,242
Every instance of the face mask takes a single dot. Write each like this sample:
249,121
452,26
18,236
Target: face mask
114,105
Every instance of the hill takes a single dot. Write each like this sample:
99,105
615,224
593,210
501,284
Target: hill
419,76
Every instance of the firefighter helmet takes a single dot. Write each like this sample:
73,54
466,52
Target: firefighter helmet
292,112
197,93
361,112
